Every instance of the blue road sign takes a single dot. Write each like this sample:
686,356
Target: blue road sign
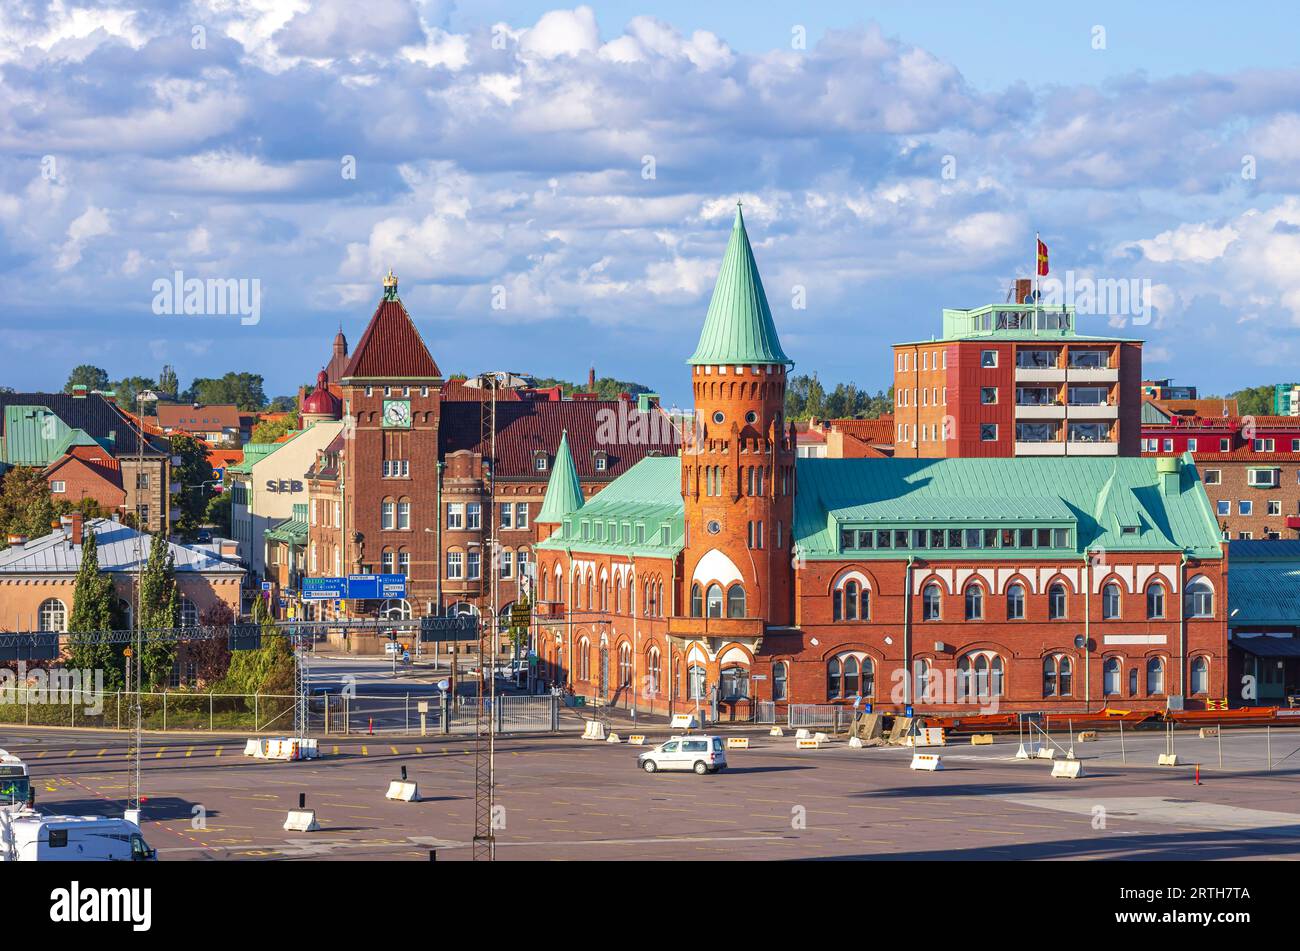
324,589
354,588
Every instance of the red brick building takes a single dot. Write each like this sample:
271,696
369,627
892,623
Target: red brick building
407,488
736,573
1016,380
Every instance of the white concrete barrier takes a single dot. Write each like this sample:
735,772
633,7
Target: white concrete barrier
613,738
821,738
802,734
1167,759
1047,752
1209,732
403,791
1088,736
737,742
930,736
594,730
684,721
806,743
855,743
931,762
255,748
301,820
636,739
1067,769
776,731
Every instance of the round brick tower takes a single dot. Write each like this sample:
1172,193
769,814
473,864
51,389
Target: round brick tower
738,465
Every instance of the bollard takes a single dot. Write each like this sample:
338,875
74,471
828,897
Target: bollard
370,728
1198,774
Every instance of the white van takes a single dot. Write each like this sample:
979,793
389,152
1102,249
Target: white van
28,836
703,754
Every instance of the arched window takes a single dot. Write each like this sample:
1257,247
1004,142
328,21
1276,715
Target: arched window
778,680
848,675
1156,601
624,665
52,616
1200,598
652,670
697,600
930,602
733,683
1133,682
1015,602
584,659
1110,600
713,600
1110,677
851,601
974,602
695,680
659,598
921,676
1155,677
995,676
1056,602
735,601
1058,680
189,613
1200,675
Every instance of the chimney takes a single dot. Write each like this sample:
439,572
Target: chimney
1024,287
79,391
1168,475
591,380
17,541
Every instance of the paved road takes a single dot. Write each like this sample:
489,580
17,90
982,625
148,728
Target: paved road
566,799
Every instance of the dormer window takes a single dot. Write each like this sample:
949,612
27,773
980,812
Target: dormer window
600,460
539,462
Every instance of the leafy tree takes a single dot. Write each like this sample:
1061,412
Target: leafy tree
159,608
25,504
211,656
91,377
806,398
168,383
126,389
190,503
95,608
270,430
607,388
243,389
269,669
286,404
218,513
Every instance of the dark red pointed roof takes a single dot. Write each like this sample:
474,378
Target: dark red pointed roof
391,348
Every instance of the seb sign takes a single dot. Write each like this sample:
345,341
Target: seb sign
283,486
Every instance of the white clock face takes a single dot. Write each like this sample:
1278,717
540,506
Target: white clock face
397,413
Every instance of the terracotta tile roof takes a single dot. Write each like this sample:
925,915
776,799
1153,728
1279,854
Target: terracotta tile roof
201,418
878,431
1200,407
94,458
529,425
1245,455
391,348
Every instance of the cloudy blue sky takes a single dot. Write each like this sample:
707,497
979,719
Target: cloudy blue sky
579,167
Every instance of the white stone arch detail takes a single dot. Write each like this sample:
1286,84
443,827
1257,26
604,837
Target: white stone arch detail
734,655
696,653
921,583
852,574
715,566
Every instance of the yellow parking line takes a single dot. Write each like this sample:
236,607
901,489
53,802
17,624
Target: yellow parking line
102,752
336,749
189,751
161,750
365,751
394,749
419,749
70,752
218,752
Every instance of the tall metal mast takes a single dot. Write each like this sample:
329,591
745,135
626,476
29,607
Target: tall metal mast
485,712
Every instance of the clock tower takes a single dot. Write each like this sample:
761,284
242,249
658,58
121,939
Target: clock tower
738,468
392,404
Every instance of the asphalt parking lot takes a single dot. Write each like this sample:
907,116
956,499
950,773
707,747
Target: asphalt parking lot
564,798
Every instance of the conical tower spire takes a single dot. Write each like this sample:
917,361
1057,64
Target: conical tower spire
563,491
739,328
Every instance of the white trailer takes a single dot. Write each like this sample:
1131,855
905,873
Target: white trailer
28,836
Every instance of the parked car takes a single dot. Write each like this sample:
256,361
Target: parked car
703,754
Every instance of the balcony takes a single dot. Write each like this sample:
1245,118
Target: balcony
1045,448
727,628
1093,411
1078,447
1039,375
1093,374
1040,411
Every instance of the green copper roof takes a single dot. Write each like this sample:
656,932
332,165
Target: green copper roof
563,491
738,328
636,507
1115,504
35,436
